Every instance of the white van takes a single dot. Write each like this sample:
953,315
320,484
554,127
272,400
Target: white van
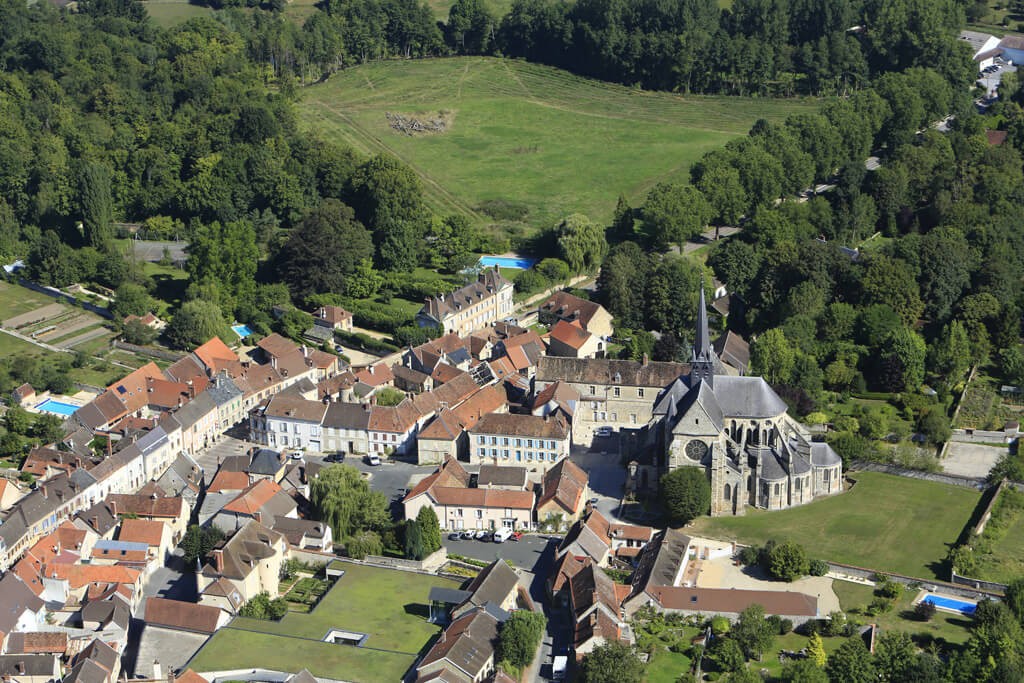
502,535
373,459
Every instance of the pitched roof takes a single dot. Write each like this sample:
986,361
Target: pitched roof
223,588
297,529
497,475
485,401
570,307
186,368
276,346
78,575
449,473
145,506
229,481
131,389
16,667
216,356
482,498
37,642
98,518
375,375
561,393
533,426
733,600
285,406
488,283
257,496
468,643
248,545
565,568
444,373
398,419
182,616
733,350
569,334
189,676
335,315
609,371
15,599
565,484
347,416
264,461
492,585
141,531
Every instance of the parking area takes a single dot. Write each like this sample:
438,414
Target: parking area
990,78
524,553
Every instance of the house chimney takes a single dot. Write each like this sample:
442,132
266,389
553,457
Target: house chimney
158,671
113,508
42,487
218,560
95,522
646,360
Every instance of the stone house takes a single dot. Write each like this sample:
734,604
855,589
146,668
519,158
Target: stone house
471,307
564,492
566,307
251,560
288,421
458,506
519,439
346,428
572,341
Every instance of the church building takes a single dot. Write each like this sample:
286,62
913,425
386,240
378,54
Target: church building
738,430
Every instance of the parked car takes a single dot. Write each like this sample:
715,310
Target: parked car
516,535
468,535
593,501
454,536
482,535
295,455
335,457
373,460
502,535
603,431
558,668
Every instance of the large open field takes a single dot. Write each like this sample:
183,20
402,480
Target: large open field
388,605
528,134
884,522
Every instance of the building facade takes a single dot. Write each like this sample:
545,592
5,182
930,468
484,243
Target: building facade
476,305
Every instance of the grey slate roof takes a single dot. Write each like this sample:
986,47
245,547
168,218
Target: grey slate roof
496,475
492,584
747,397
609,371
703,397
14,667
195,410
822,455
347,416
98,518
223,390
265,461
15,598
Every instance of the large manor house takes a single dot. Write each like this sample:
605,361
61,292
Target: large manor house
738,430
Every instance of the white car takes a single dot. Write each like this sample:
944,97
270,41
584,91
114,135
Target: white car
295,455
373,460
603,431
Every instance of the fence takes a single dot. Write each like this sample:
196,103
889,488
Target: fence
953,479
982,436
68,298
147,351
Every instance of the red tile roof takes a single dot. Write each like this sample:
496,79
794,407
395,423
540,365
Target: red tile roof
485,498
450,473
569,334
376,375
229,481
275,345
251,500
131,389
78,575
145,506
145,531
184,616
216,356
565,484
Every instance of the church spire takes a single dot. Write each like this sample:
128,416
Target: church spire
702,364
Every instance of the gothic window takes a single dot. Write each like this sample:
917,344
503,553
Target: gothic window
695,450
727,492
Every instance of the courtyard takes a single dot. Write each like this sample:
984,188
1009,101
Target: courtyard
883,522
387,605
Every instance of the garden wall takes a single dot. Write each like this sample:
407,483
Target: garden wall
958,589
68,298
954,480
147,351
982,436
431,563
262,675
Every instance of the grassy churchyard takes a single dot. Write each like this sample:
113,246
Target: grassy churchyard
540,140
884,522
389,606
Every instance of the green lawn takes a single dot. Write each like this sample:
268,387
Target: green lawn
885,522
390,606
999,552
15,300
855,597
528,134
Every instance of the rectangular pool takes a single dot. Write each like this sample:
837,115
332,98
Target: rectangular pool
57,407
242,331
507,262
950,604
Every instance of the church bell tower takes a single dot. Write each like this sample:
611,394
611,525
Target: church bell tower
702,363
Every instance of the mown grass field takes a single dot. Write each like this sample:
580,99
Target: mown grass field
884,522
168,13
527,134
388,605
951,628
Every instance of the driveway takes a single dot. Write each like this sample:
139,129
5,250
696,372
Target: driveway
607,476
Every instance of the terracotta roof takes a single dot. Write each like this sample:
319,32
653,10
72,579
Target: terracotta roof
995,137
571,335
322,360
450,473
189,676
145,506
185,369
229,481
565,484
591,586
131,389
182,616
565,568
335,315
78,575
39,459
526,337
23,391
252,500
509,424
483,402
397,419
166,394
276,346
559,392
216,356
295,408
446,426
37,642
141,531
376,375
498,475
444,373
485,498
733,601
570,307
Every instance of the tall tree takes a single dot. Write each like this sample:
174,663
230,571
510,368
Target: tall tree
430,529
342,498
581,242
97,205
851,663
674,214
388,197
613,662
324,250
772,357
195,323
686,495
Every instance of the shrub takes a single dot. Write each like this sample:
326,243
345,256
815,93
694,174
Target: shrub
364,341
720,625
924,610
817,568
519,637
788,561
750,555
879,606
385,316
889,589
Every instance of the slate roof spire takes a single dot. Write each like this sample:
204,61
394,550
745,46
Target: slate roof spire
702,365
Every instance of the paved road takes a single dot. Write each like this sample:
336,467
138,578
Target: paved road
211,458
607,475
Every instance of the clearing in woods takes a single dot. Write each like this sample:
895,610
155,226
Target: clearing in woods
531,137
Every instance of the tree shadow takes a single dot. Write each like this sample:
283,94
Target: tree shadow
417,609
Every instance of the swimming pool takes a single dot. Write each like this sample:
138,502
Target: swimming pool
950,604
507,262
57,407
242,331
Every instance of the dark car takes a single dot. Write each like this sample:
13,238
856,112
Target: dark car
454,536
335,457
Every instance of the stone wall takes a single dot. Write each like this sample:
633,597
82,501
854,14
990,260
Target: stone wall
959,589
938,477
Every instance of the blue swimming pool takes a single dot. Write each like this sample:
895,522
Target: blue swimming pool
57,407
507,262
951,604
242,331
